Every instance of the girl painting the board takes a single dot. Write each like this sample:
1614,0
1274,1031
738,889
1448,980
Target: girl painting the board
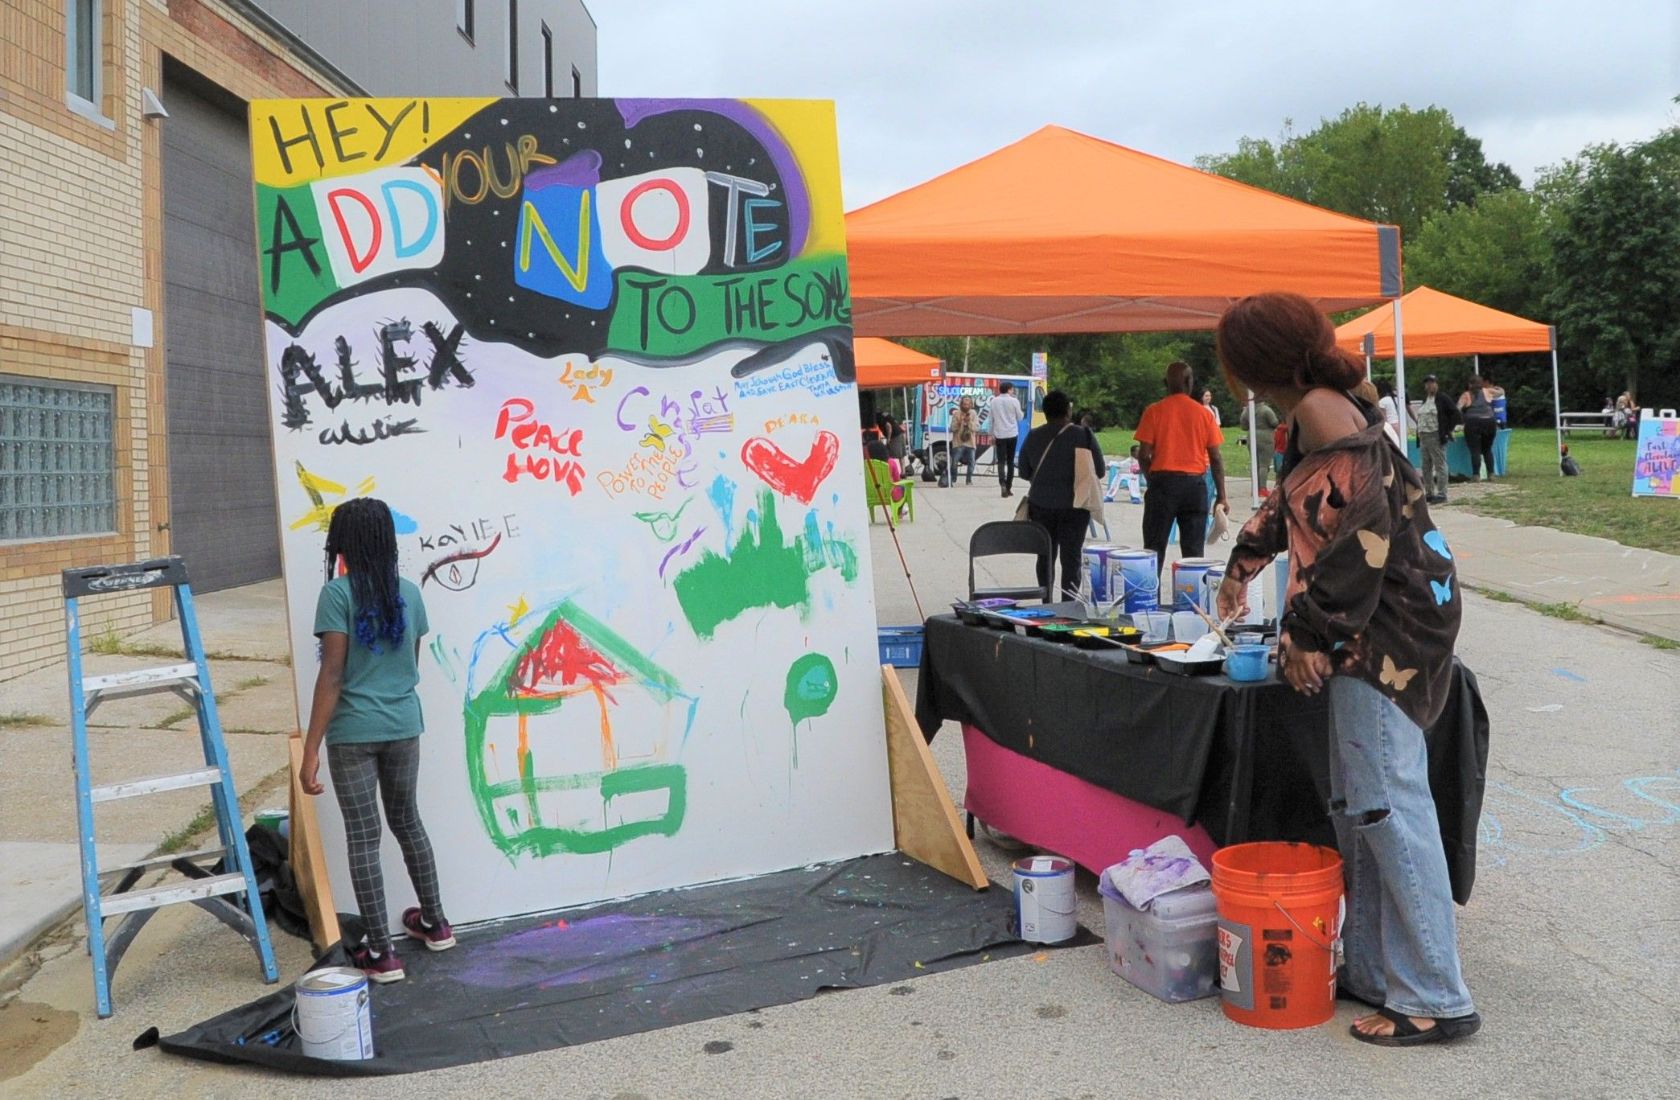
366,710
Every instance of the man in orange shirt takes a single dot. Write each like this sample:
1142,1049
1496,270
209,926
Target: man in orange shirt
1178,442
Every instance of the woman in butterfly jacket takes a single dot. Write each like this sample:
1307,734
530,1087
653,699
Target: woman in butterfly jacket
1370,616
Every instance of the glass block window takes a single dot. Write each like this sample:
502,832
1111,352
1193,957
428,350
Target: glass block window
57,460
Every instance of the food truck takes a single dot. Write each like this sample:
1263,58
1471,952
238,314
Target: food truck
937,400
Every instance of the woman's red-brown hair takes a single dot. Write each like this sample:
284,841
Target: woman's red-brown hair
1278,341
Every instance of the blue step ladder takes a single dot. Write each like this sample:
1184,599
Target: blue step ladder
211,890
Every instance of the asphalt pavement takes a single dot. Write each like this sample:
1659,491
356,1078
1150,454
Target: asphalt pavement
1570,943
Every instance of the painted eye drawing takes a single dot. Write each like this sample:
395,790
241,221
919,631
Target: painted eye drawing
458,570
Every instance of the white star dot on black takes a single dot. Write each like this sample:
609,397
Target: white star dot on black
504,122
510,297
478,278
697,126
699,152
504,244
467,136
552,109
627,143
581,126
492,320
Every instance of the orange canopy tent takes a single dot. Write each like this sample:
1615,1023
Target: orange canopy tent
1062,232
1435,323
1440,324
882,364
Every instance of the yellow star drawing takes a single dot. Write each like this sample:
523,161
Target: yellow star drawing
318,489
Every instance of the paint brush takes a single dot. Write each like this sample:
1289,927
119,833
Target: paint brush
1218,627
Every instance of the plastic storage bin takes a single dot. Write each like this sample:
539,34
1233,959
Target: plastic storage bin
1171,950
901,646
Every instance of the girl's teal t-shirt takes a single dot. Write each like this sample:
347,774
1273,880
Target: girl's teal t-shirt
378,701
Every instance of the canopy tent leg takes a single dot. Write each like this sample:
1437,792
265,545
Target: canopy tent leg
1557,405
1400,380
1253,453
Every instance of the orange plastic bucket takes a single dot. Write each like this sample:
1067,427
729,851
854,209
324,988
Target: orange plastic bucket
1280,916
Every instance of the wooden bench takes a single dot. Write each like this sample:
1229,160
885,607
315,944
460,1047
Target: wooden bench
1589,421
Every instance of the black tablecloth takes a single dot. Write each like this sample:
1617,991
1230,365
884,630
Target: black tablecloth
1244,761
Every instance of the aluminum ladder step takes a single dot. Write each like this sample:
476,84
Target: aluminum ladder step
141,681
164,861
132,788
113,904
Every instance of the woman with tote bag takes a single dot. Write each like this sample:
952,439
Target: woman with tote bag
1064,463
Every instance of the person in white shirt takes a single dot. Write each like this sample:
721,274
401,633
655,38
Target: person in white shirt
1213,410
1390,406
1005,414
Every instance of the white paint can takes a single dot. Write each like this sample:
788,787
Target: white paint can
331,1014
1044,899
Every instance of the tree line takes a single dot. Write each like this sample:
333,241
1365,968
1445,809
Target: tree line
1591,246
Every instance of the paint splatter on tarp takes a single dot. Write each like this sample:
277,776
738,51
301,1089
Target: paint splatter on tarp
562,979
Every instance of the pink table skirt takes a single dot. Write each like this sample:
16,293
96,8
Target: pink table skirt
1061,813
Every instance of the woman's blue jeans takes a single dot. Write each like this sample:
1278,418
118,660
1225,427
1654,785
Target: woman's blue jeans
1400,935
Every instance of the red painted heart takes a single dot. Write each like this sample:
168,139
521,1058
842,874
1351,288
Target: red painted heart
788,477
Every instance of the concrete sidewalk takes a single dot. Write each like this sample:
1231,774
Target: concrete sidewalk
1565,943
245,631
1637,590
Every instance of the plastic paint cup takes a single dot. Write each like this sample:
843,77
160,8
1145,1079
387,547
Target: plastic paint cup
1187,626
1156,625
1247,663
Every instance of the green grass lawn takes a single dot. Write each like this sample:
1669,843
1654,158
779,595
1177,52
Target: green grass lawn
1599,502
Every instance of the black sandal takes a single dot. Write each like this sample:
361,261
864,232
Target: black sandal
1408,1034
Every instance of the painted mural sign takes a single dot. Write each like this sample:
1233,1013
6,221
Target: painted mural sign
1656,461
596,355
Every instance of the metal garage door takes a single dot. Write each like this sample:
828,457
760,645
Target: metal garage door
221,474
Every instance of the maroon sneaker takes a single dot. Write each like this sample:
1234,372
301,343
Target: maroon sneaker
436,937
383,967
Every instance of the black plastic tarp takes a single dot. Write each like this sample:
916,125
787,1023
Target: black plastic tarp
570,977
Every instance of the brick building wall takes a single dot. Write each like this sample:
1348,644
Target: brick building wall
81,247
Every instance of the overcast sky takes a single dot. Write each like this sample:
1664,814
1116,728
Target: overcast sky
925,85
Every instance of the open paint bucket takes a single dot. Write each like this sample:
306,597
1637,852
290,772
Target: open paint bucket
1133,576
331,1014
1044,899
1280,912
1096,556
1187,581
278,820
